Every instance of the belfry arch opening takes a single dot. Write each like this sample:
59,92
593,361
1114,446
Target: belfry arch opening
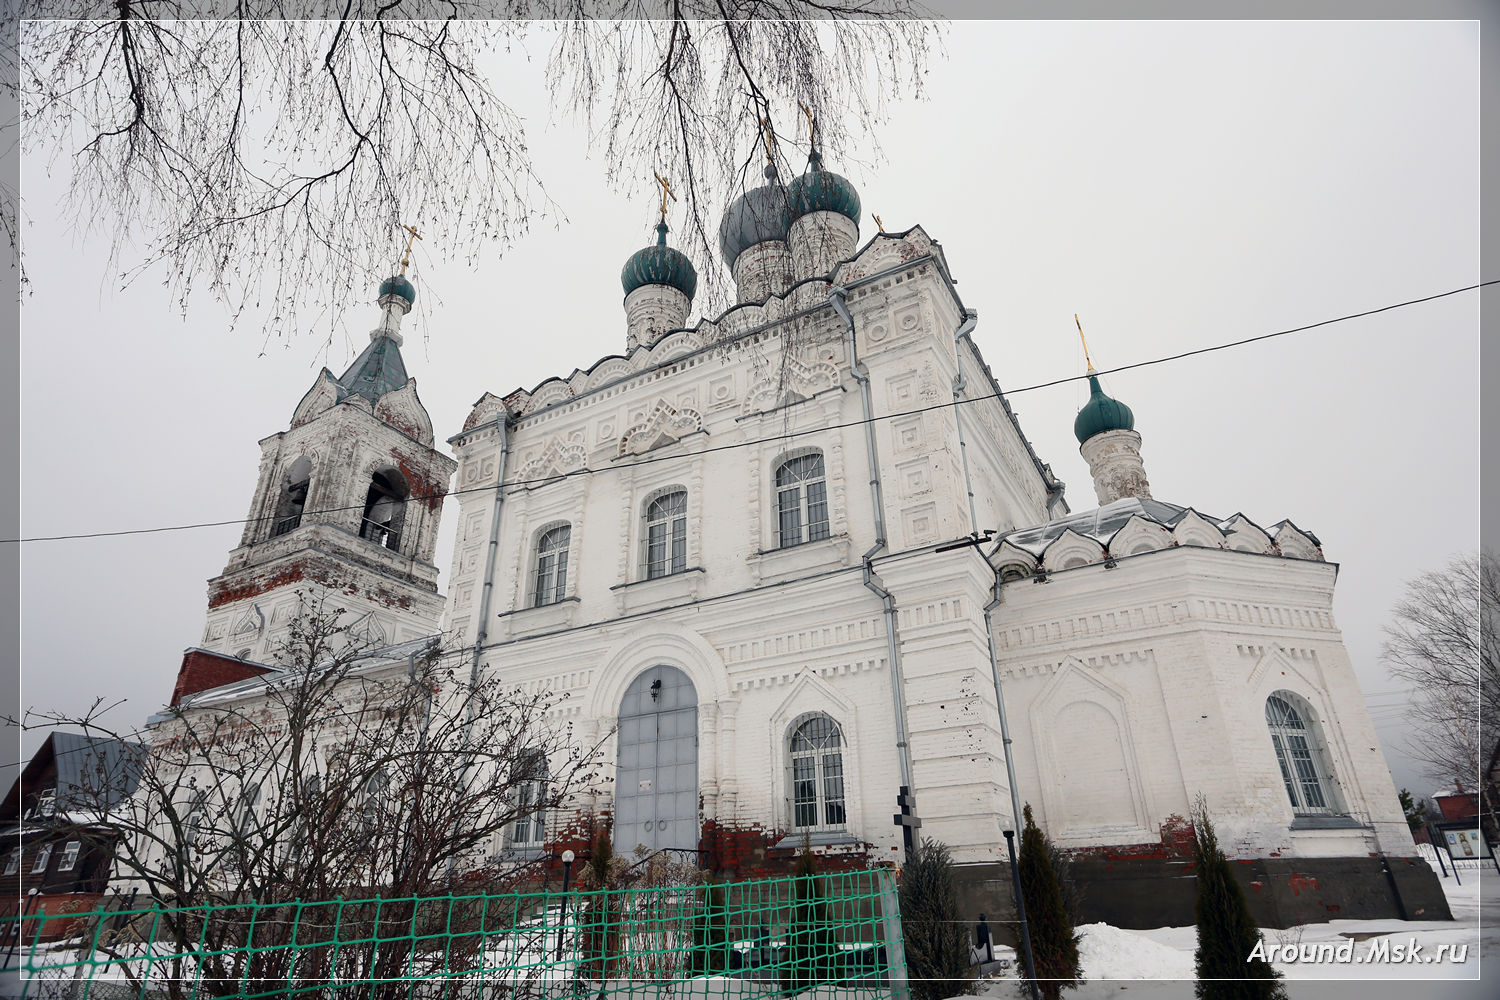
293,499
385,509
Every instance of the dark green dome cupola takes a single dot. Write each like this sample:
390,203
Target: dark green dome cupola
398,285
659,265
760,215
1101,413
819,190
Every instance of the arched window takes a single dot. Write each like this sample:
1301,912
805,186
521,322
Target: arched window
801,500
385,509
246,810
1300,755
666,534
552,566
293,499
195,825
372,800
530,780
817,774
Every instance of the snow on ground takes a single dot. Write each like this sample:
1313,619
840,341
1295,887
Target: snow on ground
1359,959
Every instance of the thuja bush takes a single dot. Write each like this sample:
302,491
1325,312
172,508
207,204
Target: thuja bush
1226,933
711,951
600,929
936,938
1054,946
812,953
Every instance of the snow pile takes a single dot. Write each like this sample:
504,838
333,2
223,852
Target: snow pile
1108,952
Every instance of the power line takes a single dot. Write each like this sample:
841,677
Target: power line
648,460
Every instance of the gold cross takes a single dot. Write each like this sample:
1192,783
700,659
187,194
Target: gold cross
666,192
1085,343
812,126
765,124
878,223
406,254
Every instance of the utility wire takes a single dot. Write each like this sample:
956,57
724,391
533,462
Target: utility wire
648,460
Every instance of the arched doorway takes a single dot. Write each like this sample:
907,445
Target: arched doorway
656,771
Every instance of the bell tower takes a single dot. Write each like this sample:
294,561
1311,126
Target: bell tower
347,505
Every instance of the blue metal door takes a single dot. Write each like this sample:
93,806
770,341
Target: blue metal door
656,773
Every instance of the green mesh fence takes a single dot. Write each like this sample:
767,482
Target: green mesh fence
834,936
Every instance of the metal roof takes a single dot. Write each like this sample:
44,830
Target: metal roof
377,371
1101,523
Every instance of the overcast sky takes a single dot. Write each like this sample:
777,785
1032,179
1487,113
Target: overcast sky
1175,184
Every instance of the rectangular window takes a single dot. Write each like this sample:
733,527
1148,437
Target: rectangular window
530,827
789,503
1307,775
13,863
817,510
804,792
46,803
69,856
43,856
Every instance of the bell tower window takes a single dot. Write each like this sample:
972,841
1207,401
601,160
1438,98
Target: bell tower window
293,497
385,509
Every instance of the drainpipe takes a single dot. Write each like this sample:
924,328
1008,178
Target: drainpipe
486,589
906,800
1010,774
489,560
959,384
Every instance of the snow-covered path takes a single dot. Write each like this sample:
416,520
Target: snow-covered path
1376,960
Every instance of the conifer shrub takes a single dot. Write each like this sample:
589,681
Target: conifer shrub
1054,946
710,955
1226,933
812,955
599,932
932,927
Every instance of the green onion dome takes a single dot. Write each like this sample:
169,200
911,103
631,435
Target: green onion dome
398,285
659,265
756,216
1100,414
819,190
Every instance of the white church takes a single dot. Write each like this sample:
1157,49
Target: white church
791,561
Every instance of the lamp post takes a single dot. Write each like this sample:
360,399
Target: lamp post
567,860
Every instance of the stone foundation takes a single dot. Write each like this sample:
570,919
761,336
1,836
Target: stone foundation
1145,892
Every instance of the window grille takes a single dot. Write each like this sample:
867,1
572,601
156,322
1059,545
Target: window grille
1303,771
817,775
530,827
666,535
801,500
552,566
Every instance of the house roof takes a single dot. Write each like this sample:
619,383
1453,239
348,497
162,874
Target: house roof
94,773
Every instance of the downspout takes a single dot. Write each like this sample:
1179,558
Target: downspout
836,299
488,587
486,590
1010,770
959,385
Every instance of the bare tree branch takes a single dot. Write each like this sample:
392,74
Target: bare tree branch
265,160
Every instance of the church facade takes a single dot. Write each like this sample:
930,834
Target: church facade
797,570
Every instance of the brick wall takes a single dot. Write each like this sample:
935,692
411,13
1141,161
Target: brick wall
202,670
